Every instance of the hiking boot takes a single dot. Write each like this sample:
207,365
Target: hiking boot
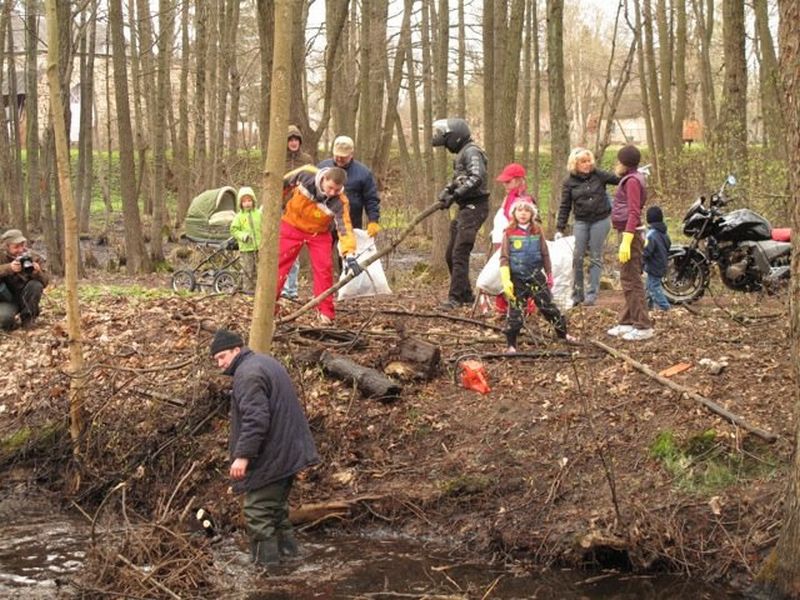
267,552
620,330
639,334
287,543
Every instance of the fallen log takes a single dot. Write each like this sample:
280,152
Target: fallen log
317,512
712,406
371,382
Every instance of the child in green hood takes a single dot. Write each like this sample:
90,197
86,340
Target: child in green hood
246,230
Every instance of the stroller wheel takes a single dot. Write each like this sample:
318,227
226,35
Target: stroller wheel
226,282
183,281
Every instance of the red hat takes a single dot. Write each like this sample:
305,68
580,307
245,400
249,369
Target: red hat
510,172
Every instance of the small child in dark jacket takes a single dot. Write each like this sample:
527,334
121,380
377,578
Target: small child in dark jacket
656,251
526,272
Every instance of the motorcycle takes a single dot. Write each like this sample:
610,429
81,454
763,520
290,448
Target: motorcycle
739,242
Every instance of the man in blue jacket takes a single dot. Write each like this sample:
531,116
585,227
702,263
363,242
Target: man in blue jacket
269,443
361,190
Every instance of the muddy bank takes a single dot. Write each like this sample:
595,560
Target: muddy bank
575,460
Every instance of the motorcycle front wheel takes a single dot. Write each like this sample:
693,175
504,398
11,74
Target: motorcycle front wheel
686,279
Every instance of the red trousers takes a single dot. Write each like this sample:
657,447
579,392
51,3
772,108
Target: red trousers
319,251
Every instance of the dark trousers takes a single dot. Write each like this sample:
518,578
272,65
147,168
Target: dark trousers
266,510
463,230
634,312
25,303
538,290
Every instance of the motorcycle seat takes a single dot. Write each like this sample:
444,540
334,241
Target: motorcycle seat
773,249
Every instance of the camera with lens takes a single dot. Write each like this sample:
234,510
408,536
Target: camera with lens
26,262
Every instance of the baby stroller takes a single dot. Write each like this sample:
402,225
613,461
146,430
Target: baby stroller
208,223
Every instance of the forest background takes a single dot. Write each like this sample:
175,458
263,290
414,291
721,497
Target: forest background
695,82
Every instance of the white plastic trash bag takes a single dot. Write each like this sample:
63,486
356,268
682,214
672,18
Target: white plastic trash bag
373,280
561,252
489,281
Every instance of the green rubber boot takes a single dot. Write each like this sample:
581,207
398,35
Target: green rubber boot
287,543
267,552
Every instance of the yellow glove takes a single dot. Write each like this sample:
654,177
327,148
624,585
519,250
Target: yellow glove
625,247
373,229
508,285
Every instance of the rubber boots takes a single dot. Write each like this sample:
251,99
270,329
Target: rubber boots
287,544
266,552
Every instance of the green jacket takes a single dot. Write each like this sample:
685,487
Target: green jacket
246,226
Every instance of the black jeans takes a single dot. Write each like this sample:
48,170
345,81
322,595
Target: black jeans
463,230
538,290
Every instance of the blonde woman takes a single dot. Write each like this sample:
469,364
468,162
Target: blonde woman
583,193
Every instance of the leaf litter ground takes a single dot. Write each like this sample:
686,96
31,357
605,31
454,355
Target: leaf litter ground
575,460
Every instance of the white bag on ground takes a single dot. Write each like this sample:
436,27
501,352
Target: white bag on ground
561,253
489,281
373,280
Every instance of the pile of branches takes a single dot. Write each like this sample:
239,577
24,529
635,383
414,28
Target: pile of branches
148,561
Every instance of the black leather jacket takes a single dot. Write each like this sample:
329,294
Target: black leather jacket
470,177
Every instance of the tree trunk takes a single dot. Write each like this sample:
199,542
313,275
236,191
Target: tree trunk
525,109
86,133
137,259
680,75
780,574
665,53
646,105
151,115
181,149
655,96
200,124
380,164
537,99
166,27
427,114
733,114
490,81
505,136
15,147
345,97
77,381
559,131
704,21
262,326
32,114
461,104
771,94
232,22
441,45
371,77
6,195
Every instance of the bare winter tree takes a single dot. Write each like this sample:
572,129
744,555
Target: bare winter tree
780,574
732,130
559,122
137,259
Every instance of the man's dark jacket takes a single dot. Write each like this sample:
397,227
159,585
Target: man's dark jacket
585,196
361,190
268,425
656,251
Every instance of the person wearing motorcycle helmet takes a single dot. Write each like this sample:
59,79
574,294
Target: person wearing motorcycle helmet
469,190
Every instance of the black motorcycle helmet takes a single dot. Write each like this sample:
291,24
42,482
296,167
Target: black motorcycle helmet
453,134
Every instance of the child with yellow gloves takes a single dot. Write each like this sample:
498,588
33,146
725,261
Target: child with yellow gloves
626,218
526,272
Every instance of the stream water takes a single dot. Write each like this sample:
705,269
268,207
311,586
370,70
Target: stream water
40,549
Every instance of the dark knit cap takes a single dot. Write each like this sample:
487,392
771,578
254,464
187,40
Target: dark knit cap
654,215
629,156
225,340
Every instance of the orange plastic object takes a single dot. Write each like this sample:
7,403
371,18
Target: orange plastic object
473,376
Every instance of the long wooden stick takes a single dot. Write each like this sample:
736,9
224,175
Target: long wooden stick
712,406
337,286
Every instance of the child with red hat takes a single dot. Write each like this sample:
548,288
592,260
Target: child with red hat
526,271
513,177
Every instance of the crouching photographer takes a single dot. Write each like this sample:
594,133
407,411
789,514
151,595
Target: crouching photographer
22,281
